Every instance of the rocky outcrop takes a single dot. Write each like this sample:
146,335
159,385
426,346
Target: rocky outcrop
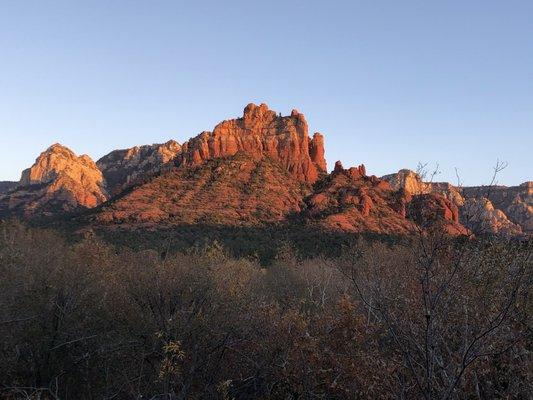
407,180
431,210
247,190
521,212
516,202
348,200
58,181
497,209
411,182
262,133
261,168
317,152
482,218
123,168
428,203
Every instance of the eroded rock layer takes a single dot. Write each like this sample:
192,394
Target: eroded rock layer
348,200
123,168
483,209
58,181
262,168
516,202
262,133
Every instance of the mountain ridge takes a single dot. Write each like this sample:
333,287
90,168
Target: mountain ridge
259,168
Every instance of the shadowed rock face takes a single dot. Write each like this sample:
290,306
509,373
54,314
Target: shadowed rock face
58,181
6,186
261,133
429,210
123,168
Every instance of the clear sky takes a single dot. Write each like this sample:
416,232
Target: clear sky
389,83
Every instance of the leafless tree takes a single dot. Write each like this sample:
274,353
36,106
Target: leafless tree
445,305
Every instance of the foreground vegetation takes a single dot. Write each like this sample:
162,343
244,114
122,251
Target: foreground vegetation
429,319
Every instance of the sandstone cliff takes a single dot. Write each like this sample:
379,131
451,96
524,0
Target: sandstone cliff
262,168
484,209
122,168
261,133
516,202
58,181
483,218
411,182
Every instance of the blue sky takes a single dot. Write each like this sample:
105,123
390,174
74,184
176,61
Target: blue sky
389,83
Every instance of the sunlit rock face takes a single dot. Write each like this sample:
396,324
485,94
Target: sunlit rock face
262,133
123,168
408,180
349,200
412,183
490,209
258,169
515,201
236,190
483,218
58,181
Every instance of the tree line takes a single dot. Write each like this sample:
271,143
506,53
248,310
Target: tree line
432,318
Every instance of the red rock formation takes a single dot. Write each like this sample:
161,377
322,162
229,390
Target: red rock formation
261,133
269,164
58,181
366,203
412,182
338,168
316,151
496,209
232,191
123,168
429,209
403,198
354,172
348,200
